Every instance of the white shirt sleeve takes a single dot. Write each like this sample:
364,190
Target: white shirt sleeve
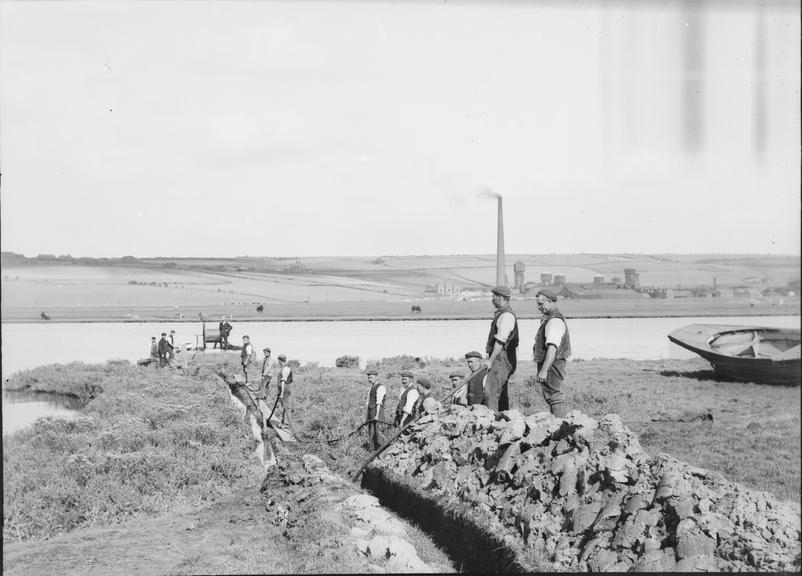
484,381
504,326
285,373
555,330
412,397
380,393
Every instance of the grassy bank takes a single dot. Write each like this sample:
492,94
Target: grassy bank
150,441
156,441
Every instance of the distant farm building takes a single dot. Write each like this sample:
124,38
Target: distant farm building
546,279
741,292
447,288
559,279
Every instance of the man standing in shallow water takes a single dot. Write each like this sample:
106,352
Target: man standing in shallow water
552,348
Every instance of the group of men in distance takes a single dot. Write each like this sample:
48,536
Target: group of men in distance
269,367
164,350
488,381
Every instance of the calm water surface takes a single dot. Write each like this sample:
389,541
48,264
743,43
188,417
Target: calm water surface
30,345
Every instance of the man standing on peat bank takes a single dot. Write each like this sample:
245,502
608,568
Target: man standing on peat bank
501,350
404,412
376,396
552,348
475,387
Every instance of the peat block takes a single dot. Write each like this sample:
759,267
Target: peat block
541,493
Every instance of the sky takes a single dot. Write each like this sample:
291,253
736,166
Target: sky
377,128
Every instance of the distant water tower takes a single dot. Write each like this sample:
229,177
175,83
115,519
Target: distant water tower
631,278
545,279
519,268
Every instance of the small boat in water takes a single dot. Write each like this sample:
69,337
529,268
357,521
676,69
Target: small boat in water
745,353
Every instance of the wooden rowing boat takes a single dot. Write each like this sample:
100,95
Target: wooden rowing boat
745,353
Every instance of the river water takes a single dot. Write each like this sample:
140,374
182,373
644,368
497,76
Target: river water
30,345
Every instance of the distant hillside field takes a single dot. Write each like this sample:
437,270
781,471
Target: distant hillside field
165,284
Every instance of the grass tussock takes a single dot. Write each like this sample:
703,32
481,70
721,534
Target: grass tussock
152,441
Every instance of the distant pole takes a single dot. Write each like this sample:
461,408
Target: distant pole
500,275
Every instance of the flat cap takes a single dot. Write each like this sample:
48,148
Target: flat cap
266,350
502,291
282,356
546,293
425,382
456,375
372,372
406,374
473,354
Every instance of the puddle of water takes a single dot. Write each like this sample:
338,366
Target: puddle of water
22,407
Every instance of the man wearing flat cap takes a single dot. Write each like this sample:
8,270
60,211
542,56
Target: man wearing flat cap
408,400
425,398
475,386
284,388
552,348
461,396
501,350
376,397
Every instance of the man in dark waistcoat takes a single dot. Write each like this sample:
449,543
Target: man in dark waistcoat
552,348
408,400
501,350
475,386
164,350
376,397
424,389
225,332
461,396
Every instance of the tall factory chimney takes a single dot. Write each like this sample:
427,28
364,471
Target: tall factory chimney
501,276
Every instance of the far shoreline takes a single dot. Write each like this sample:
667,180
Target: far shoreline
759,313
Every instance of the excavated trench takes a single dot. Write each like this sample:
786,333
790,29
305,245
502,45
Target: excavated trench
476,548
507,493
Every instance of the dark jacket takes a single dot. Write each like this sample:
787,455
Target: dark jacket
476,394
164,348
372,408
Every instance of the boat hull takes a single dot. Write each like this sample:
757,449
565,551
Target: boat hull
781,368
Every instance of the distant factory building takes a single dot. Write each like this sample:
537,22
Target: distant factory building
598,279
519,268
631,278
559,279
595,291
546,279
